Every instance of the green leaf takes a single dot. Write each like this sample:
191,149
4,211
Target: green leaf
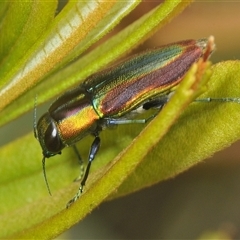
3,7
106,53
25,176
20,29
202,130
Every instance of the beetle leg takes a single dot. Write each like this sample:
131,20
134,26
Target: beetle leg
109,122
152,104
93,151
156,103
80,163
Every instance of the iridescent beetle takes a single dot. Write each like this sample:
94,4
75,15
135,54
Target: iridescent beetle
108,98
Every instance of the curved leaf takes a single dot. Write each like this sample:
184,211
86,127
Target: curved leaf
14,18
20,30
99,186
3,8
202,130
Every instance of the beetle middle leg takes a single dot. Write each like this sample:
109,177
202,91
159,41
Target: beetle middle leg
157,104
108,122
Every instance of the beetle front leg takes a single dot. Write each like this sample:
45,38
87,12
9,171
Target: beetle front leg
93,151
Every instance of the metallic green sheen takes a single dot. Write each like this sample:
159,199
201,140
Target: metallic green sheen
123,87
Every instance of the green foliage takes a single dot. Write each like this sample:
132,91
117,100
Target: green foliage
37,58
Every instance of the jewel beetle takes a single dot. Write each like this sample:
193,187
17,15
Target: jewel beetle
115,96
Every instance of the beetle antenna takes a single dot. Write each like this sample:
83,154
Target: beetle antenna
45,176
35,118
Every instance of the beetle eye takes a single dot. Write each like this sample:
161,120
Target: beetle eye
52,139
